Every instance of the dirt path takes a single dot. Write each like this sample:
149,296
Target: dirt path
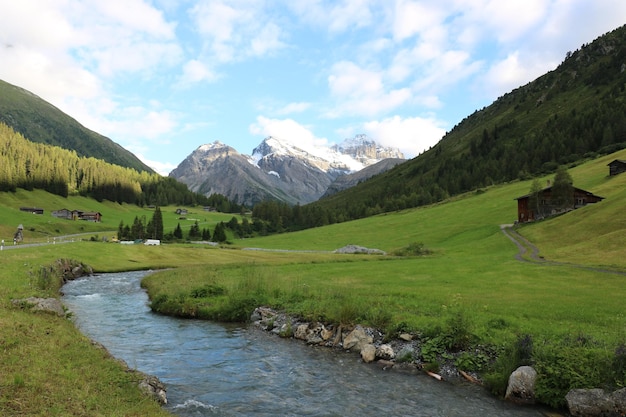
524,246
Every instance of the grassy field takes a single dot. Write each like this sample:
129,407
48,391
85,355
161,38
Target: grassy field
472,276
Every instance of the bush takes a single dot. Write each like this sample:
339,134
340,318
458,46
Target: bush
562,368
413,249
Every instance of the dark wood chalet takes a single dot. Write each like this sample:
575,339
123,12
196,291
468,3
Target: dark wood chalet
525,213
34,210
617,167
91,216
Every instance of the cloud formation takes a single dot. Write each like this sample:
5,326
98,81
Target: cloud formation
162,77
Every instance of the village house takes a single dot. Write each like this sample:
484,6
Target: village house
617,167
66,214
546,208
77,215
91,216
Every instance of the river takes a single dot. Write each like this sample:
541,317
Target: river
214,369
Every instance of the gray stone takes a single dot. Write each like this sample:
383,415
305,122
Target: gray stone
301,332
151,386
619,398
47,305
356,339
521,388
368,353
405,354
590,403
385,352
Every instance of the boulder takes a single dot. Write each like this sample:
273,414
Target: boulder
590,403
619,398
47,305
385,352
357,339
521,387
326,334
151,386
368,353
301,332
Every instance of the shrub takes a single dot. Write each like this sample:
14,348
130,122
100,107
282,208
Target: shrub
413,249
561,368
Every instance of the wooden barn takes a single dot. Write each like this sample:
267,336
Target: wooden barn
91,216
546,208
617,167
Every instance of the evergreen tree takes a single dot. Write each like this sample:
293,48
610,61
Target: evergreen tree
178,232
120,231
194,231
157,221
219,234
206,234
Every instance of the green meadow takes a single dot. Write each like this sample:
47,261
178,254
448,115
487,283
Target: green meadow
468,294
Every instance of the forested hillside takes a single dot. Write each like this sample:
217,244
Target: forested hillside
29,165
41,122
576,112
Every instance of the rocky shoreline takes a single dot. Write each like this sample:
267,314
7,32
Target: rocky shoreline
404,353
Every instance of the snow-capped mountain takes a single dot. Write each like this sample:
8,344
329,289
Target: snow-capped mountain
277,169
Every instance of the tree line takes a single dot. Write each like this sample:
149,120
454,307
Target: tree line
29,165
142,229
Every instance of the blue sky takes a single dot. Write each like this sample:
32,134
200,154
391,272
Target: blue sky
163,77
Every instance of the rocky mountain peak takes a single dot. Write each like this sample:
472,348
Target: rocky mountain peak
277,169
365,150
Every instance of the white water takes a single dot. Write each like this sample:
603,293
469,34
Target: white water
212,369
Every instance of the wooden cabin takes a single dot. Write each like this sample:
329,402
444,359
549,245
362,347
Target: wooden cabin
617,167
91,216
545,206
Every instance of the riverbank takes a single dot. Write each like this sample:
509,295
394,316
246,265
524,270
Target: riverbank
47,366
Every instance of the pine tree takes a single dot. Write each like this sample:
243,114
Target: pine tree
178,232
157,223
219,234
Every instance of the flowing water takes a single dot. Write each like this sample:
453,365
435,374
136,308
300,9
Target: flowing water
212,369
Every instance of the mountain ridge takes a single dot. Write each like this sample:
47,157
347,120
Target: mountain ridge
276,170
41,122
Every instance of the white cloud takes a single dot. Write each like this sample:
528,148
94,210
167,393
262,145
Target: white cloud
297,107
411,135
288,130
413,17
162,168
362,91
335,16
236,30
195,71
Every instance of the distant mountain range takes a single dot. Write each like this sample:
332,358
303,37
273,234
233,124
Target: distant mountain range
280,171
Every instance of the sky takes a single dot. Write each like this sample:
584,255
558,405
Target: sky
163,77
